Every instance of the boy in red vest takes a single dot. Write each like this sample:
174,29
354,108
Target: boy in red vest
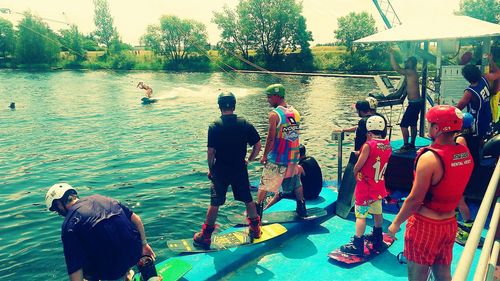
370,185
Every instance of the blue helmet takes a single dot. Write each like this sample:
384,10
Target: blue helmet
468,120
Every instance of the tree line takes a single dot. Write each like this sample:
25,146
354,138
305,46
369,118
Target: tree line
256,34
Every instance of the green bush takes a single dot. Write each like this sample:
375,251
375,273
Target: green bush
196,64
123,61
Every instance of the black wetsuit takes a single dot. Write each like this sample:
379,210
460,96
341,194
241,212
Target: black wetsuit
312,181
229,136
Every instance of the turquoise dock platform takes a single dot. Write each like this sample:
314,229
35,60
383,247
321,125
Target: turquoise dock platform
301,253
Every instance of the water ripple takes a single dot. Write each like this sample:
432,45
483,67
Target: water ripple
90,129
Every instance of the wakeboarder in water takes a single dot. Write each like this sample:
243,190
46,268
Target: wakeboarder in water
149,90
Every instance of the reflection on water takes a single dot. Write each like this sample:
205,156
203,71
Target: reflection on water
90,129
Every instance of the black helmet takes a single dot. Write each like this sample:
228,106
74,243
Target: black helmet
226,100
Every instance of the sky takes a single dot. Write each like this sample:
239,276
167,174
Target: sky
131,17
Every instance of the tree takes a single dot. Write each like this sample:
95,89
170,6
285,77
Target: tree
487,10
6,37
176,38
90,43
353,27
235,32
36,42
105,31
72,41
273,27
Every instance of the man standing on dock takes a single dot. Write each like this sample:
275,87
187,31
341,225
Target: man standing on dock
281,153
410,117
228,138
441,174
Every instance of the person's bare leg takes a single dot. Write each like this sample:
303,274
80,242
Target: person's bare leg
378,220
299,193
251,209
417,272
212,215
360,226
273,201
261,196
413,134
406,134
441,272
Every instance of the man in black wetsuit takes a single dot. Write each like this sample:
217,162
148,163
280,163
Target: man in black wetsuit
365,109
311,176
228,138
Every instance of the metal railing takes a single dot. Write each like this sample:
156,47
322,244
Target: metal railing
339,136
489,253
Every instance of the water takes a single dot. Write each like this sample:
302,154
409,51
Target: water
89,129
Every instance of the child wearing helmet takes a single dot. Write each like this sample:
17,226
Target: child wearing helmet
370,186
442,171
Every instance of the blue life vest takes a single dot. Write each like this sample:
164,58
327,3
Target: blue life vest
480,108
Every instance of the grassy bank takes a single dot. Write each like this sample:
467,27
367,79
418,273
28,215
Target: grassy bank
324,59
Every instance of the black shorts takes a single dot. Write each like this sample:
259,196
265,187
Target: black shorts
410,117
239,183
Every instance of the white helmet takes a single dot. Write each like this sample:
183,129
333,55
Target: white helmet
375,123
56,192
373,102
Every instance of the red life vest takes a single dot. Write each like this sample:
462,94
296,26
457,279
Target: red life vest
370,183
457,166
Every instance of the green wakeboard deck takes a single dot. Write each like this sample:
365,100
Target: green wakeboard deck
169,270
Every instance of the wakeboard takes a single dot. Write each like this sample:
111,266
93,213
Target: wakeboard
148,100
345,200
369,253
227,240
283,217
169,270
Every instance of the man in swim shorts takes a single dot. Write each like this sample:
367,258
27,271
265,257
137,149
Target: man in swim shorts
281,153
415,103
441,174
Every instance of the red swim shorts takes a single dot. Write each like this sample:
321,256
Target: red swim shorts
429,241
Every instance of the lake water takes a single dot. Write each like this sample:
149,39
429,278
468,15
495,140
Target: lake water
89,129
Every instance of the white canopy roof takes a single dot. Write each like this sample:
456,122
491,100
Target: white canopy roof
448,27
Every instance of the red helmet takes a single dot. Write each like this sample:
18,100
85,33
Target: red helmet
447,117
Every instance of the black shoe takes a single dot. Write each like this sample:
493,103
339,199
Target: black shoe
376,239
301,209
355,247
406,147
